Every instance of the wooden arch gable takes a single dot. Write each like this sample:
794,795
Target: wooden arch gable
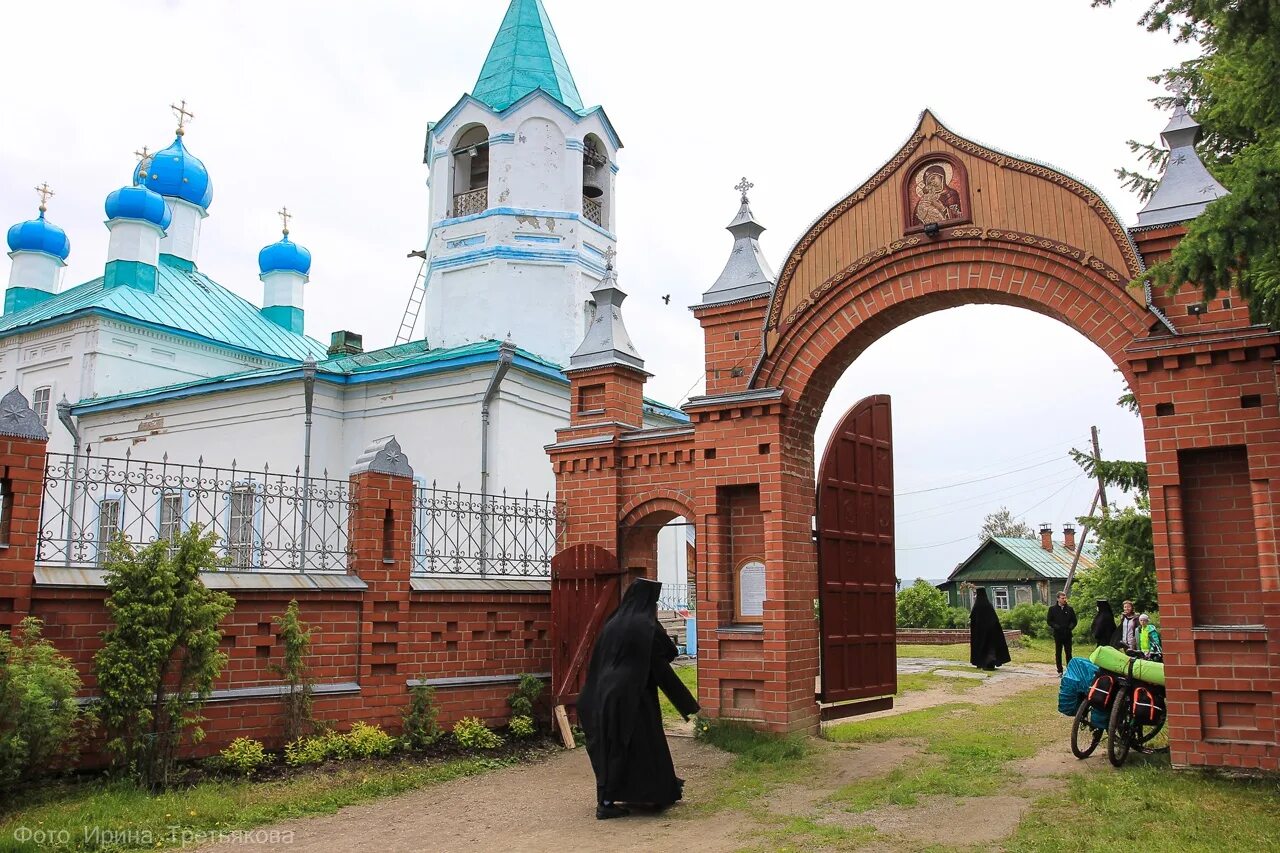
939,187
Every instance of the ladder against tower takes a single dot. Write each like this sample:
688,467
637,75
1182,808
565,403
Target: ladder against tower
413,308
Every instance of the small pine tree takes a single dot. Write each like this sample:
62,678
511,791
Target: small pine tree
295,636
159,659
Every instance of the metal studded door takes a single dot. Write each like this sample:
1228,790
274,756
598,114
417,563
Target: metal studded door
585,589
856,577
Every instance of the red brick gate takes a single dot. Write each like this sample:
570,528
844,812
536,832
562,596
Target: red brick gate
947,222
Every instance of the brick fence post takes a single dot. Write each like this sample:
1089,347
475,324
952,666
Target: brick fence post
381,541
23,444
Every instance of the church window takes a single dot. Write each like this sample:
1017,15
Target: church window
240,526
471,172
170,516
40,403
108,523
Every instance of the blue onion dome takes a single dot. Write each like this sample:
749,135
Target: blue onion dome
39,235
284,256
138,203
176,172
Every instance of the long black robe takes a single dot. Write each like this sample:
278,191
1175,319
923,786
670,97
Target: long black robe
987,646
618,707
1104,624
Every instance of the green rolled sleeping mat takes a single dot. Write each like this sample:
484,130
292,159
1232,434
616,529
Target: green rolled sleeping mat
1113,660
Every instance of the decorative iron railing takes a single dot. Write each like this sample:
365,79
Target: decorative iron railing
263,521
470,534
471,202
592,210
674,596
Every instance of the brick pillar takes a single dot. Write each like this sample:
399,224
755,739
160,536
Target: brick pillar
23,442
380,533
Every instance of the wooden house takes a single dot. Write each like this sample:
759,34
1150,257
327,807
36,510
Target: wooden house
1015,570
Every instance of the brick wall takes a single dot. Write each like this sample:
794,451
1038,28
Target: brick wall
370,638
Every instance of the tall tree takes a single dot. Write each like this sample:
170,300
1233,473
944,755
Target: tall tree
1002,523
1233,91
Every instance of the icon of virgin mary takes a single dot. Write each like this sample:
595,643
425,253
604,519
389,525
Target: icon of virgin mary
936,200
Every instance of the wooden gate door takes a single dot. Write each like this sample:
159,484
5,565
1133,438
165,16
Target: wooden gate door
856,577
586,586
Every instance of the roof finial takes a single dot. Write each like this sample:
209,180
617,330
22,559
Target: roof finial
742,186
184,115
44,192
609,254
285,216
144,161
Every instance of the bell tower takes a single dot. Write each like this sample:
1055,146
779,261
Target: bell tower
522,199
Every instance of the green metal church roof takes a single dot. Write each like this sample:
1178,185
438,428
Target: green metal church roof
525,56
185,301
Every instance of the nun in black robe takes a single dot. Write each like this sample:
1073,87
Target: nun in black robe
1104,624
618,707
987,646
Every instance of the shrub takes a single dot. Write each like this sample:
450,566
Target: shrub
315,749
244,755
367,740
160,657
295,636
522,727
472,733
922,605
38,712
956,617
524,698
421,728
1027,618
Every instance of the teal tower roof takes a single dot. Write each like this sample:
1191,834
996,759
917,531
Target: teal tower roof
526,56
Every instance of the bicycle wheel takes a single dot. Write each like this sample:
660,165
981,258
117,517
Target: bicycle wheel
1120,730
1146,732
1084,737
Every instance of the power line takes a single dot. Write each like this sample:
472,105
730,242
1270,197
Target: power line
1022,512
979,479
969,503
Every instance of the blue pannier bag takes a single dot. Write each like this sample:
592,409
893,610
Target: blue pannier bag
1076,679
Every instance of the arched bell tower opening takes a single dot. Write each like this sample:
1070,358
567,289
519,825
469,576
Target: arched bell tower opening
469,171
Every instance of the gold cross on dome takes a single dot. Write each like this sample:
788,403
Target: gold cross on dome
609,254
742,186
184,115
144,161
44,192
285,216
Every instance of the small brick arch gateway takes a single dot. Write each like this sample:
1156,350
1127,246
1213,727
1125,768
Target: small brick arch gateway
948,222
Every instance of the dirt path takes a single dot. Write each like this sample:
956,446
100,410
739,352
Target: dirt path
548,806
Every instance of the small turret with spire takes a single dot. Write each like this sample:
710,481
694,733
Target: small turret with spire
1186,187
747,274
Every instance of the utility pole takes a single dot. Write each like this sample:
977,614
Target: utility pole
1099,496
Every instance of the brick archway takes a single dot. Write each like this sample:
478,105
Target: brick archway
1011,232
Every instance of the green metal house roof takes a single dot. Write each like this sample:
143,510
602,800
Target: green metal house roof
185,301
525,56
1049,565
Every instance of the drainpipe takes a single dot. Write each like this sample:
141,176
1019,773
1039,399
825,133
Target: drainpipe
64,415
505,353
308,394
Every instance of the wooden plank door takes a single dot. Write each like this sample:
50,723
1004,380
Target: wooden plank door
586,586
856,572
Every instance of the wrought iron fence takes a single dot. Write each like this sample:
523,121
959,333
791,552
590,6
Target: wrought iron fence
477,535
674,596
263,521
592,210
471,202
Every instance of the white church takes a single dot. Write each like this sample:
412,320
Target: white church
154,360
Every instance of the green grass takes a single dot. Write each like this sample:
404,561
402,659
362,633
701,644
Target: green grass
762,761
797,834
1030,651
89,816
689,675
916,681
966,748
1157,809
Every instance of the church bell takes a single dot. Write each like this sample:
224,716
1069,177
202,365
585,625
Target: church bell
591,186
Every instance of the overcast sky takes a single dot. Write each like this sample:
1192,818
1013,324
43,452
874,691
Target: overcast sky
323,106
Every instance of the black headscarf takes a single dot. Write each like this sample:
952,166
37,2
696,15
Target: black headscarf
987,646
618,706
1104,624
